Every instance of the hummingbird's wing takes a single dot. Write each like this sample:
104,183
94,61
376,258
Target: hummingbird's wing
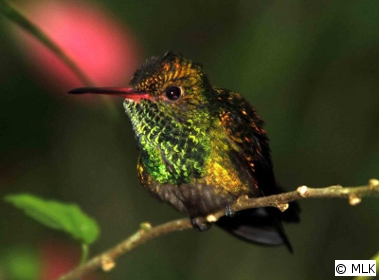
244,129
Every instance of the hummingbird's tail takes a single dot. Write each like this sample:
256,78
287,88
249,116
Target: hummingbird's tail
261,225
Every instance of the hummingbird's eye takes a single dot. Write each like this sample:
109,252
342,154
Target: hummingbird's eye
173,93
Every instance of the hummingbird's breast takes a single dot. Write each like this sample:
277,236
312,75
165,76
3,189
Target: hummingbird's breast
222,181
190,163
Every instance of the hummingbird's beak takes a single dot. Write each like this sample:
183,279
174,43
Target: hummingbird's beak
128,92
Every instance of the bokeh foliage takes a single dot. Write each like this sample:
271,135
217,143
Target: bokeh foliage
311,70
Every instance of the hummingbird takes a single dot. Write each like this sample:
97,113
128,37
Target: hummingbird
201,148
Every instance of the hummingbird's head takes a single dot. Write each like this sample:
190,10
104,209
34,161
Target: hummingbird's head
175,85
170,79
169,103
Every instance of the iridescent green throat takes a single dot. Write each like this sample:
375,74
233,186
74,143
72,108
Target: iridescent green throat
173,150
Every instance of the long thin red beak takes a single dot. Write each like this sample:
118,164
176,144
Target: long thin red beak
128,93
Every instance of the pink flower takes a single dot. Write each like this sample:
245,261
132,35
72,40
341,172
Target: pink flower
103,48
58,258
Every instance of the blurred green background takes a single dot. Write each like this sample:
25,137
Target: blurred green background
310,68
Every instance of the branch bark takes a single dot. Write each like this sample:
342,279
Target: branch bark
107,260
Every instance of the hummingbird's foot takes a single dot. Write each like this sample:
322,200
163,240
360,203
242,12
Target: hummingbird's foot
229,211
200,224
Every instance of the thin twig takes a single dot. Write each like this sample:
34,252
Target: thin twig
18,18
107,260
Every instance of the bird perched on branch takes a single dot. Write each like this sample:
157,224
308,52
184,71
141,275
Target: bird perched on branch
201,147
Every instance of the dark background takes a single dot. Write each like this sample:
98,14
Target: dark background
310,68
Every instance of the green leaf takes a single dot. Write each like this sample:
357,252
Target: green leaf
62,216
376,258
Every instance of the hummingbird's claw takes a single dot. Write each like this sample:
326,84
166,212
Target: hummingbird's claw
200,224
229,211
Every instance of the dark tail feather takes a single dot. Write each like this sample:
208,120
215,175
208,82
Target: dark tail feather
260,225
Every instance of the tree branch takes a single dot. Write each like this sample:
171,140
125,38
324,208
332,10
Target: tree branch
146,232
